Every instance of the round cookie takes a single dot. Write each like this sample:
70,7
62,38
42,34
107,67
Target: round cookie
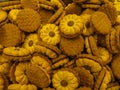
110,11
28,20
65,79
38,76
30,42
45,15
71,26
10,35
49,34
99,20
72,47
33,4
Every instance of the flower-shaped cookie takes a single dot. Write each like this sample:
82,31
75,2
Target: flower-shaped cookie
30,42
50,34
71,25
65,80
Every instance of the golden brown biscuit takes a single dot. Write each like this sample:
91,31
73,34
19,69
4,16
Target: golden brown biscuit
90,6
91,45
86,78
45,15
16,54
33,4
92,63
8,8
100,78
112,43
42,61
49,50
72,47
103,79
99,20
10,35
24,21
111,12
38,76
9,3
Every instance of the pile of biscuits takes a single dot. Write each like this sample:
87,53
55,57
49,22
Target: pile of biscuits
60,45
